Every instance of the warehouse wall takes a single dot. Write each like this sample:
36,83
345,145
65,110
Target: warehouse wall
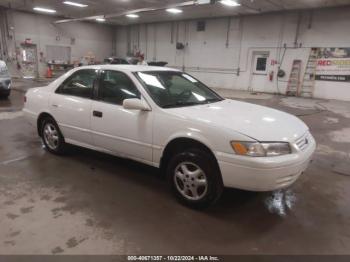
89,38
228,45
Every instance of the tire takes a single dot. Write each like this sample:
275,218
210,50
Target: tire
195,178
52,137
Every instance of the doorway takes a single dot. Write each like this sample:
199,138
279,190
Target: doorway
259,72
28,60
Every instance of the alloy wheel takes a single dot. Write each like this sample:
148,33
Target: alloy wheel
190,181
51,136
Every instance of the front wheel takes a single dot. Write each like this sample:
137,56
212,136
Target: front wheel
195,178
51,137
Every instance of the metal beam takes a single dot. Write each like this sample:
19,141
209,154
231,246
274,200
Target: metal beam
120,14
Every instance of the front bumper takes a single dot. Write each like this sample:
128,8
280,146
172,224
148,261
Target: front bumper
265,173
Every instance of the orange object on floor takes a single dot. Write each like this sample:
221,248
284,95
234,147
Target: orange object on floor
49,72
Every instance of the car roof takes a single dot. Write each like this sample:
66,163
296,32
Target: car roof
130,68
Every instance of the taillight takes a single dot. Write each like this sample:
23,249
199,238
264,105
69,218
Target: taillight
25,99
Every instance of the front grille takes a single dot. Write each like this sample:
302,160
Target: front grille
303,142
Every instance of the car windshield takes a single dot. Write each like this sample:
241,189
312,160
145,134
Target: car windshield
176,89
3,70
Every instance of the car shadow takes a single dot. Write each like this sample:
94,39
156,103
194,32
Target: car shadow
119,192
232,202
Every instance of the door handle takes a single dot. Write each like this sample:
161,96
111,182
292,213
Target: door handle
54,105
97,114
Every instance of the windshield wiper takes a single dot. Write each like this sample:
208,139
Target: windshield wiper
181,103
211,100
184,103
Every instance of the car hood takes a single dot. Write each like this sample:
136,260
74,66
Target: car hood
257,122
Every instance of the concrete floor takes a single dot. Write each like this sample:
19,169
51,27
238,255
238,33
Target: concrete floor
91,203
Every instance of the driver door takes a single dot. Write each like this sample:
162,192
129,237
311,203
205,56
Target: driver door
115,129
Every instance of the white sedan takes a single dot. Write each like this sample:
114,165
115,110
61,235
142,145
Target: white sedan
168,119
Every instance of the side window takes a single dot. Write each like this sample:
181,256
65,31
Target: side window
80,84
116,86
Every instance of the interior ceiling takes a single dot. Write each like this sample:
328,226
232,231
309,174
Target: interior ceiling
115,9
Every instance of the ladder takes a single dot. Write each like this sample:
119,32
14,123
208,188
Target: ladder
307,87
294,79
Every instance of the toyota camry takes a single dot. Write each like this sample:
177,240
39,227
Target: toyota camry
170,120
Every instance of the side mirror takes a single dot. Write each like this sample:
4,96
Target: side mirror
135,104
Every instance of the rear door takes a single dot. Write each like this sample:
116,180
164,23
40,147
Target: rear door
121,131
71,106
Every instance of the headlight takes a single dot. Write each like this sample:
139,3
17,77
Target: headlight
256,149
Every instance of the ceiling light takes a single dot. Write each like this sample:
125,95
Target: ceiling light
74,4
174,10
132,15
45,10
229,3
100,19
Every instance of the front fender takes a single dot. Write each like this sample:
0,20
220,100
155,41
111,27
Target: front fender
168,127
190,134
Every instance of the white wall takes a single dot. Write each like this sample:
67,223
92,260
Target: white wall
207,56
90,38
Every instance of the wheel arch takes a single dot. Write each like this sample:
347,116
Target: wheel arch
179,144
41,117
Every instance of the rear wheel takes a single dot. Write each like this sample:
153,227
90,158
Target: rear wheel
195,178
51,137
